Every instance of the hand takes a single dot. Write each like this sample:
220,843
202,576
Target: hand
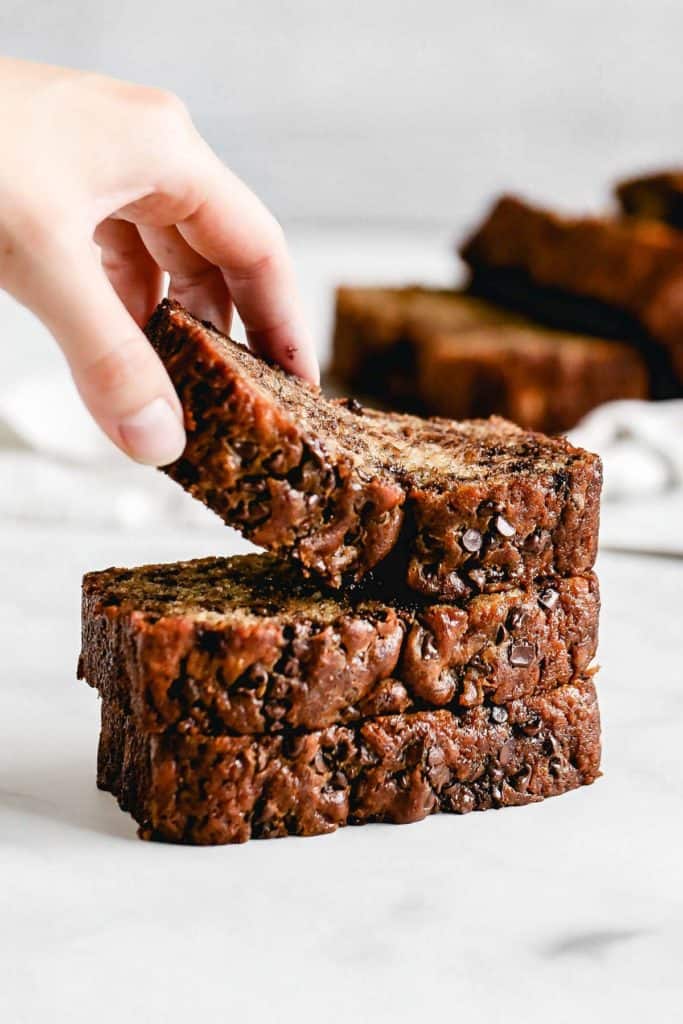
104,185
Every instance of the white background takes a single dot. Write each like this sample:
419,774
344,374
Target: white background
409,112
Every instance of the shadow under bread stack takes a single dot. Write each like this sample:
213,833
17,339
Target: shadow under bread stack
419,638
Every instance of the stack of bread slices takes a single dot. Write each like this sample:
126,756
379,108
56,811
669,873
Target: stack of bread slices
419,636
558,315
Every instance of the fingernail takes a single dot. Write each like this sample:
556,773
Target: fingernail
154,435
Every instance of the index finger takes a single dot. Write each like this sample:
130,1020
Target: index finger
233,230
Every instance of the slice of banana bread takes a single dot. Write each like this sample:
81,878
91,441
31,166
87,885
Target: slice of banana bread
246,645
458,507
450,354
375,341
618,277
656,196
397,768
539,378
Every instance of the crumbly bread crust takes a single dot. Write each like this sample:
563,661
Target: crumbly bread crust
246,645
341,488
401,768
633,268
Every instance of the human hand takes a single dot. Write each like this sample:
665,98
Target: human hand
103,186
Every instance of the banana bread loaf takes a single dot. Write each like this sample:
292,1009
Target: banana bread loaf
617,277
448,508
450,354
654,197
396,768
375,342
541,379
246,645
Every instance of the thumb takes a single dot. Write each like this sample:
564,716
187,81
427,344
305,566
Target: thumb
118,375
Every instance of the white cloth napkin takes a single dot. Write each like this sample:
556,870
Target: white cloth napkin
55,465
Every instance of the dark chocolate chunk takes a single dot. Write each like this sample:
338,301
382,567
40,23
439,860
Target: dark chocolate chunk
478,577
471,540
506,753
515,619
246,450
353,405
522,655
548,598
504,528
532,726
536,541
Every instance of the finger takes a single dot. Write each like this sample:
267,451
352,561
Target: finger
195,282
224,222
234,231
136,277
119,376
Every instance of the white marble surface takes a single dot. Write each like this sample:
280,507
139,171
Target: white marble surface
567,911
571,910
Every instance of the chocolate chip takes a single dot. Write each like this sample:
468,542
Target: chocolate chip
496,776
504,528
428,647
353,405
257,676
339,781
523,776
478,577
536,541
532,726
246,450
555,765
552,744
548,598
471,540
499,714
507,753
501,633
456,585
521,655
515,619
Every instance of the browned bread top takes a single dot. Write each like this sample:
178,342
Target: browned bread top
247,645
634,266
336,485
